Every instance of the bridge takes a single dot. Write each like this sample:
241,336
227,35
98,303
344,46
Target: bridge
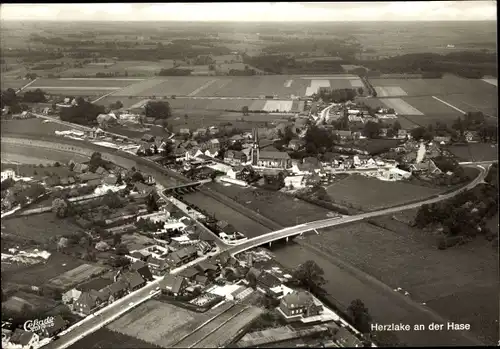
187,186
288,232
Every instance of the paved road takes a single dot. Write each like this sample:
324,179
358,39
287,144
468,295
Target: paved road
112,312
302,228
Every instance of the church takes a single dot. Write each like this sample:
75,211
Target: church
267,159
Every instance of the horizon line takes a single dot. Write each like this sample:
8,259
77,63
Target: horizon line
247,21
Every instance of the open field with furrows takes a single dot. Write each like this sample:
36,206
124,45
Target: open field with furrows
371,194
39,274
104,338
12,82
222,212
472,102
400,106
226,333
133,68
19,154
168,86
448,84
75,276
249,86
162,324
83,83
31,126
197,337
475,152
458,283
281,208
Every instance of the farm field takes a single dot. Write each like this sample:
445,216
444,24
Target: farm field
75,276
149,323
104,338
400,106
39,274
241,222
32,155
10,82
389,91
82,83
137,88
228,332
471,102
424,87
408,258
33,301
371,194
475,152
168,86
276,206
133,68
40,227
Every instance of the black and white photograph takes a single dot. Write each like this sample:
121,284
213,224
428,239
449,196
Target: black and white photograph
249,175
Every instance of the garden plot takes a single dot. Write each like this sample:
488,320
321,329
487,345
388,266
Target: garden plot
76,276
400,106
390,91
138,88
282,106
316,85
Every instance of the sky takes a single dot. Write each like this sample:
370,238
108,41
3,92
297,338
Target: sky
256,12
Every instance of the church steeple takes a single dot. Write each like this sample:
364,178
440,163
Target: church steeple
255,147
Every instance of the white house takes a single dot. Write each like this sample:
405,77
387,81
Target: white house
8,173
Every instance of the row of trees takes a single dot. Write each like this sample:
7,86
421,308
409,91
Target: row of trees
465,214
468,64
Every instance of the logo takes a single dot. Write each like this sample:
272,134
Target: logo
37,325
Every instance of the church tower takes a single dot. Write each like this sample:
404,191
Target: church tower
255,147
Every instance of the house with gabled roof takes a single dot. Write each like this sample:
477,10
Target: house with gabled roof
59,325
143,269
134,280
173,284
189,273
299,304
24,338
87,303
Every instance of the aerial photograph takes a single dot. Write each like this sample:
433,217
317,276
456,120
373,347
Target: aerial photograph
249,175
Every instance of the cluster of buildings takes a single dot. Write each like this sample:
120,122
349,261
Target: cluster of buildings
34,334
